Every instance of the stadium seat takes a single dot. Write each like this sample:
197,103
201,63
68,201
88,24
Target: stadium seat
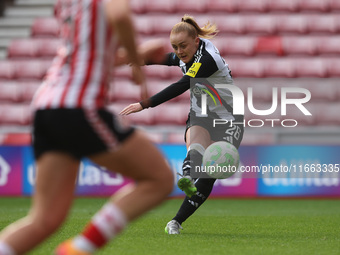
248,67
328,114
283,6
222,6
32,69
48,47
45,27
15,114
271,45
158,71
314,67
137,6
191,6
333,67
160,6
235,45
328,45
280,67
171,114
334,5
155,137
314,5
162,24
7,70
175,138
252,5
299,45
327,24
144,24
230,24
296,114
23,48
322,90
291,24
9,92
124,90
123,72
260,24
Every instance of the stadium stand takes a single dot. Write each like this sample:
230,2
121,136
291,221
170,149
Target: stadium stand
267,44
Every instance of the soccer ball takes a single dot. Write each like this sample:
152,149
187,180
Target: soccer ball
221,160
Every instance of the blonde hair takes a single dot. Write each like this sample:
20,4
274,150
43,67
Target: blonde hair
189,25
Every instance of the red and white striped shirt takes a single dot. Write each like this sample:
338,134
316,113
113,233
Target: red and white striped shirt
81,72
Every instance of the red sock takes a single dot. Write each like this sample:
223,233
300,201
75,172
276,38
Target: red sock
104,226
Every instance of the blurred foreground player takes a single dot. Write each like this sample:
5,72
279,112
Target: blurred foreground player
197,57
71,122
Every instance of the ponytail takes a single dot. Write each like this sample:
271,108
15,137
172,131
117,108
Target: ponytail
188,24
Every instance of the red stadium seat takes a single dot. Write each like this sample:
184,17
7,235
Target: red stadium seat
303,120
23,48
48,47
7,70
235,45
334,5
191,6
328,45
252,5
124,90
31,70
292,24
328,114
283,6
249,67
307,67
333,67
9,92
322,90
299,45
269,45
230,24
158,71
175,138
258,139
160,6
163,24
260,24
15,114
123,72
222,6
171,114
137,6
144,24
323,23
280,67
45,27
314,5
155,137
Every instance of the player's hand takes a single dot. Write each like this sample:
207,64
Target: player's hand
132,108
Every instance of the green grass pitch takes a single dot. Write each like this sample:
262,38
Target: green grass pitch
220,226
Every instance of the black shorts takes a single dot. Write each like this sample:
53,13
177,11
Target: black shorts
225,132
78,132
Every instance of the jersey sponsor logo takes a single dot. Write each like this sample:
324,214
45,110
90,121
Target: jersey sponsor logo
193,70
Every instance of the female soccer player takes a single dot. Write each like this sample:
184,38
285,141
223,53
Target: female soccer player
198,58
70,122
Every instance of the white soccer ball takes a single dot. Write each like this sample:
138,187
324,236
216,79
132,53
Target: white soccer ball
221,160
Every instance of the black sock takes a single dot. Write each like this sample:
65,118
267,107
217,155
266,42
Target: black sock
190,205
193,159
